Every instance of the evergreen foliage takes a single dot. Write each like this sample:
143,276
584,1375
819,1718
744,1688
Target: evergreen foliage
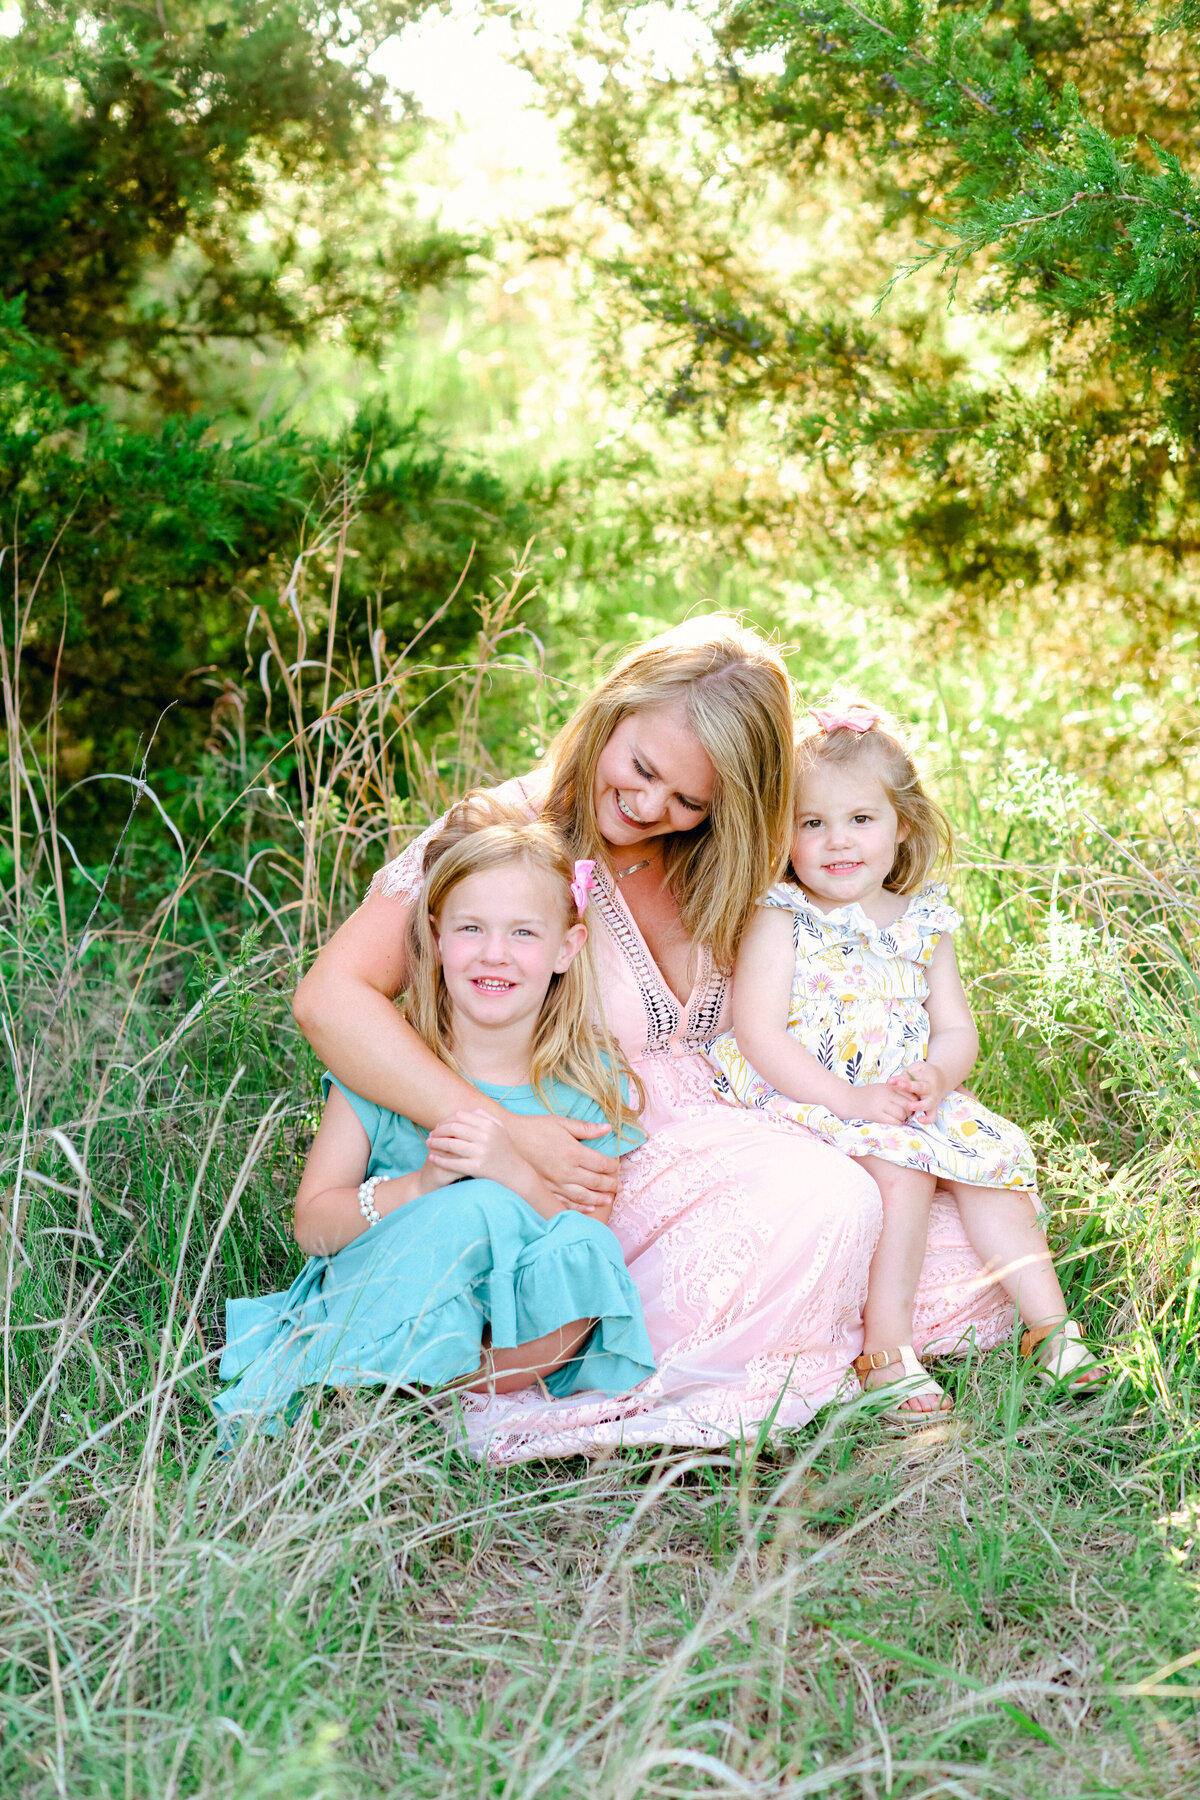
173,182
140,555
176,186
1025,166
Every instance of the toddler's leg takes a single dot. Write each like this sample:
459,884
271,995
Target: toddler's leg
507,1371
1002,1229
896,1268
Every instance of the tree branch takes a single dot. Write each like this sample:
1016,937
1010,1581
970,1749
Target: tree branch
1113,199
919,56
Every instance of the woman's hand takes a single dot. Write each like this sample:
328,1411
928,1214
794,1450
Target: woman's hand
880,1102
552,1145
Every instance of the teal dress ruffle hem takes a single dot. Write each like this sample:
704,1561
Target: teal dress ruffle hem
405,1303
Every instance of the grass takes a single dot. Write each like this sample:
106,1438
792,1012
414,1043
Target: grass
354,1610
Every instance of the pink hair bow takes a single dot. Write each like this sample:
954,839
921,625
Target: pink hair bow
582,884
855,718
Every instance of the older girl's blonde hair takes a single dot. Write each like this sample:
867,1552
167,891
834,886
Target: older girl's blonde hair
571,1042
738,700
927,843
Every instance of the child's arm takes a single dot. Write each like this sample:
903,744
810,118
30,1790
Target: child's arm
762,991
953,1039
327,1217
475,1145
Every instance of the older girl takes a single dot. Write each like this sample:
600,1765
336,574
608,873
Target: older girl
749,1240
492,1280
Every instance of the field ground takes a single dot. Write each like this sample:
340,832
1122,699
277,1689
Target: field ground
1007,1611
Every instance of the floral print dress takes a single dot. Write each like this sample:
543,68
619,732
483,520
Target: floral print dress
858,1005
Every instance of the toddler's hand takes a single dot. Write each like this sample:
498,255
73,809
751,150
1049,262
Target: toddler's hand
925,1084
474,1144
882,1103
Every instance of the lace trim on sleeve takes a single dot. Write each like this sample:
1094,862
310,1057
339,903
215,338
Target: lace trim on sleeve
401,879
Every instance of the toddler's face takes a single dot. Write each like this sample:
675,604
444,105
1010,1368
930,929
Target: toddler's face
502,934
845,837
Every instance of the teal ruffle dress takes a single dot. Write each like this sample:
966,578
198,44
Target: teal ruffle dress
407,1301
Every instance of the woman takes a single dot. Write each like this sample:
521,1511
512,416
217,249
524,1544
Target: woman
749,1240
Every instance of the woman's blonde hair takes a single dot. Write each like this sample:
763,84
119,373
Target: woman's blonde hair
738,700
928,842
571,1042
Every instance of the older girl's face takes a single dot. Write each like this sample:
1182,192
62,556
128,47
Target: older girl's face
653,778
501,935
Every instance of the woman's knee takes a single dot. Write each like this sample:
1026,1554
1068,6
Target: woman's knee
858,1190
814,1176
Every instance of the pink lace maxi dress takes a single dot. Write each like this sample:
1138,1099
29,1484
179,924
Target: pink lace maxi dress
748,1238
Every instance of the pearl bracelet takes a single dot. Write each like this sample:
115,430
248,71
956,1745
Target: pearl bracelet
366,1199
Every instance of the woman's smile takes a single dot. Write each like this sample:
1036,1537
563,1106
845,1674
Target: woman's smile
653,778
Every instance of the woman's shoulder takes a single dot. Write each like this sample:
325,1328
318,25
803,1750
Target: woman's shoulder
528,791
401,878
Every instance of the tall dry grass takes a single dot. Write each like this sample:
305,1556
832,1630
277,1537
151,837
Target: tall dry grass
353,1611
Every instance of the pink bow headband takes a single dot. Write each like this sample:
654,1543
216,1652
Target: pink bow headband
855,718
582,884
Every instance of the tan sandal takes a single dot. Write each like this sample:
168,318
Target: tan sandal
1073,1371
914,1384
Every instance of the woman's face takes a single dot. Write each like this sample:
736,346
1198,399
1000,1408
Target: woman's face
653,778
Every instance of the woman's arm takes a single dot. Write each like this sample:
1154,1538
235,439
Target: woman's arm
953,1039
345,1008
762,990
327,1215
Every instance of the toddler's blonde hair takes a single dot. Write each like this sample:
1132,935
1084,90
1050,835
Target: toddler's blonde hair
928,842
572,1043
738,700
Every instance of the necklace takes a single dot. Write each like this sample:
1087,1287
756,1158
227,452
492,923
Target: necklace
620,874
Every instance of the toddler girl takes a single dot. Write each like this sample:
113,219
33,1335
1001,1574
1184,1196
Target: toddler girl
849,1015
444,1256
